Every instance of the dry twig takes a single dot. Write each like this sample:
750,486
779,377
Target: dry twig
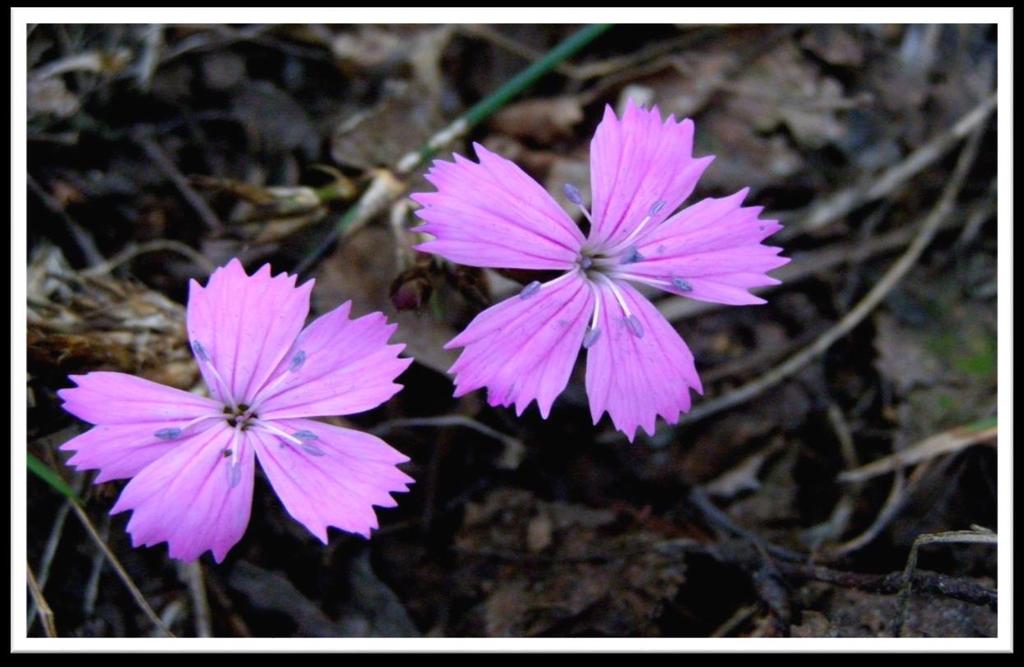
170,170
898,493
933,583
820,262
92,584
192,575
119,569
947,442
132,250
81,235
926,232
44,608
839,519
447,420
841,203
721,521
50,550
977,535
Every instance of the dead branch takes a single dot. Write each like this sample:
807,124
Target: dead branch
132,250
40,602
192,575
842,203
85,241
926,232
924,581
136,594
947,442
977,535
164,163
819,262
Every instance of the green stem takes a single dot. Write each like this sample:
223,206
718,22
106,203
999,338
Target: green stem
47,474
520,82
477,113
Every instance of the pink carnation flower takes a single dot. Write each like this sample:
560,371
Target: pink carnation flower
191,459
492,214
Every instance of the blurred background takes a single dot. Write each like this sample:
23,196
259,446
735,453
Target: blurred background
851,417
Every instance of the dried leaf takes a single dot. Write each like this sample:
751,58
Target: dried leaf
271,591
853,613
362,269
380,135
274,119
744,476
79,324
51,96
595,575
835,44
543,120
373,609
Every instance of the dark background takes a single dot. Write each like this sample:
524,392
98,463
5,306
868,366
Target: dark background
158,152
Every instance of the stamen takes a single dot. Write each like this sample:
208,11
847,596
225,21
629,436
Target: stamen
270,428
634,325
199,351
617,293
530,290
187,426
234,462
682,285
593,333
586,263
551,283
632,256
304,438
573,194
234,473
296,362
663,283
313,450
225,390
632,321
168,433
624,243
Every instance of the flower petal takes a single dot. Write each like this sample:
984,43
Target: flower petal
118,398
636,378
337,366
713,250
524,348
194,498
635,163
121,451
335,479
245,325
493,214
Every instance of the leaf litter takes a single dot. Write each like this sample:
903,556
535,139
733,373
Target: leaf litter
529,527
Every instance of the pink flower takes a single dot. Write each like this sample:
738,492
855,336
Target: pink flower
523,349
191,459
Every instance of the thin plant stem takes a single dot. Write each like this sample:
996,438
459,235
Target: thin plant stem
373,202
41,604
896,272
119,570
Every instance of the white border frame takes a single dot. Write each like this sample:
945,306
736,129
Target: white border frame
1003,17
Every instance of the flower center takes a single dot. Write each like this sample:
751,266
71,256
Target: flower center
594,262
600,264
240,417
